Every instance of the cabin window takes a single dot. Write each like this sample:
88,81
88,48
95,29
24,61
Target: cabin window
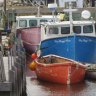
53,30
23,23
32,23
87,29
77,29
65,30
43,20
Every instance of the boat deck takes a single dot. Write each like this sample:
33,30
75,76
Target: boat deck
5,85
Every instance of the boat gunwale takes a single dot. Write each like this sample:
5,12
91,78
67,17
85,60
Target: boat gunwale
69,35
68,63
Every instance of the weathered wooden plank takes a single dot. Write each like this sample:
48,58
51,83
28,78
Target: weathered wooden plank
5,86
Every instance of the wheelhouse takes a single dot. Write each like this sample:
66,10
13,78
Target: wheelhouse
58,29
31,21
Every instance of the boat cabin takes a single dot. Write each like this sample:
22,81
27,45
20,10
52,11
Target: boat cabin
58,29
32,21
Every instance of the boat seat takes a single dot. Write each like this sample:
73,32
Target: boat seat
53,59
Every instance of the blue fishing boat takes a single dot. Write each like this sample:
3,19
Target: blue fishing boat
74,40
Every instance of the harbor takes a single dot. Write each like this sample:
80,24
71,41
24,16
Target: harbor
35,87
47,48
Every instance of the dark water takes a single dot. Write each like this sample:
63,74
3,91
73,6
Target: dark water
40,88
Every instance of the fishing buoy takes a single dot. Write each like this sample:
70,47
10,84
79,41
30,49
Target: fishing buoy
32,66
34,56
86,14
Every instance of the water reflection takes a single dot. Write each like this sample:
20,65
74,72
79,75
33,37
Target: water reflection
36,87
42,88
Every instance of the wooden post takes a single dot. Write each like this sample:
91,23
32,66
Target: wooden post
4,14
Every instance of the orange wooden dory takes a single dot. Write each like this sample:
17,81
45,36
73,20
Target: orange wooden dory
59,70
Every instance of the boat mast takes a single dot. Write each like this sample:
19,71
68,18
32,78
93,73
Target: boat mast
70,10
70,17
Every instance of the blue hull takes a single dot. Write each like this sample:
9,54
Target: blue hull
79,48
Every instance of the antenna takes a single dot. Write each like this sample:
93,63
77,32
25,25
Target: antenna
52,7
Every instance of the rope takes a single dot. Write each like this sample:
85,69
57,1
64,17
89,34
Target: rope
29,43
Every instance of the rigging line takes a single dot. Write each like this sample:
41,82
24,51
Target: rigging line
31,2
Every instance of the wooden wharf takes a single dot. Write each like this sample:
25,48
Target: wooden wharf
13,71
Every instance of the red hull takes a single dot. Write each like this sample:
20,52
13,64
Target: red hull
64,73
31,38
